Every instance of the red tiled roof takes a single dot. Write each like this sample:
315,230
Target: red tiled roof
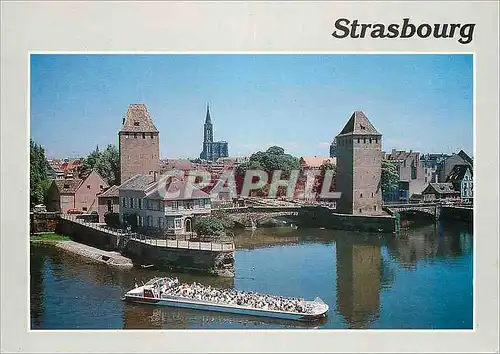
359,124
111,192
167,189
138,120
68,186
316,161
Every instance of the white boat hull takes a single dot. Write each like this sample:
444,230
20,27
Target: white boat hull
227,308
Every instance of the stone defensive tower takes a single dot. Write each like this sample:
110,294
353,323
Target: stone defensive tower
139,143
358,149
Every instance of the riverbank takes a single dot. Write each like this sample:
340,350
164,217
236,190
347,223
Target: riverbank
113,259
50,238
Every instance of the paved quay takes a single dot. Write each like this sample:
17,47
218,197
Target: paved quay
113,259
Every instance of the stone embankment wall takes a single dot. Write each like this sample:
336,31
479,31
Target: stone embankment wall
212,262
43,222
203,261
88,235
457,214
323,217
113,259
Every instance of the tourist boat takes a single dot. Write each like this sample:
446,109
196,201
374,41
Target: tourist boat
155,292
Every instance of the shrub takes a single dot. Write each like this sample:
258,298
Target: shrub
112,219
210,226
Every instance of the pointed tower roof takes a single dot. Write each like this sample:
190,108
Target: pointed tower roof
138,120
208,120
359,124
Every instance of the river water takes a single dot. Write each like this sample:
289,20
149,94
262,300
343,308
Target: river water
422,279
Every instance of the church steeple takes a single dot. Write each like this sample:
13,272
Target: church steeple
208,132
207,118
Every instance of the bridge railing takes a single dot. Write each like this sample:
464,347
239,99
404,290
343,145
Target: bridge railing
186,244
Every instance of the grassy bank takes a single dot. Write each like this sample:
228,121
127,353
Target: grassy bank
49,238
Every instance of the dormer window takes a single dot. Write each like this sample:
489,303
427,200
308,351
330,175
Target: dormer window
66,186
136,123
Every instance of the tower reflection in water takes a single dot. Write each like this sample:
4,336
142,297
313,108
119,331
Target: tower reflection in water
359,268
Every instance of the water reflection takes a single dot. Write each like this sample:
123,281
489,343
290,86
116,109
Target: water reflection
369,281
137,316
358,282
429,243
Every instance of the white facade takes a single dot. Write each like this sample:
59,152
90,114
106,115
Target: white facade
174,216
466,186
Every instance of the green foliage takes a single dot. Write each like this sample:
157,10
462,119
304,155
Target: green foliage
49,238
106,163
131,220
210,226
390,176
271,160
112,219
39,182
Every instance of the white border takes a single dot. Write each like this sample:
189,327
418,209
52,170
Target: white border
39,29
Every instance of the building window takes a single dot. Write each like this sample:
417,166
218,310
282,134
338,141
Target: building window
110,205
175,205
364,140
123,202
370,140
150,221
66,186
413,172
161,223
140,203
372,194
358,140
177,223
126,135
100,186
361,195
144,135
135,135
84,208
152,135
375,207
136,123
360,210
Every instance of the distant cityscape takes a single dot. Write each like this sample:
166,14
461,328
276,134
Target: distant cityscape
421,177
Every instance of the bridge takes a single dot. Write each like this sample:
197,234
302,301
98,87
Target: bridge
431,209
255,215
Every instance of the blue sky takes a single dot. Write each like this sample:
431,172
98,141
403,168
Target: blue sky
300,102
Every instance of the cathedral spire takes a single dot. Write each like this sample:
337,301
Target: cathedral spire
207,118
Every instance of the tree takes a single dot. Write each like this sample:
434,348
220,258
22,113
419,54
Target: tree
210,226
91,160
389,178
39,182
273,159
112,219
106,163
